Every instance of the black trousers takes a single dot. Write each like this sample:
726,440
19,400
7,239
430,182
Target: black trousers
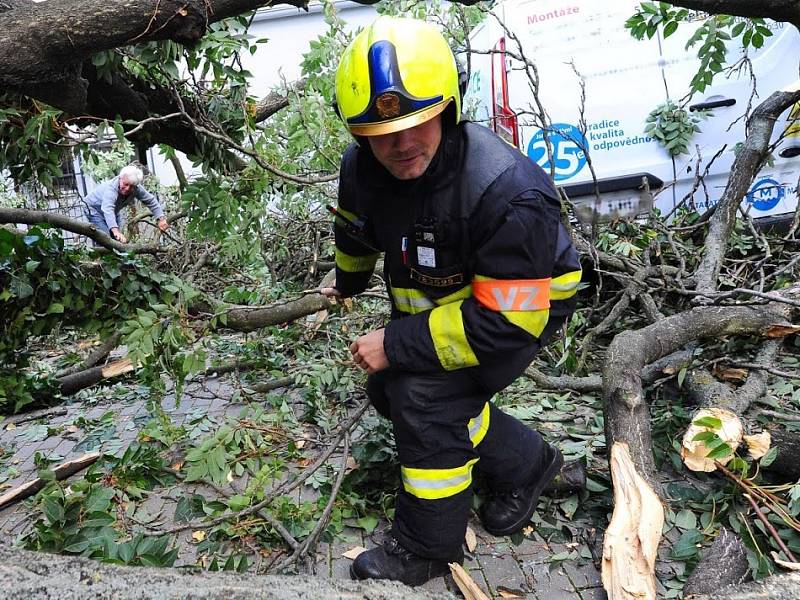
444,427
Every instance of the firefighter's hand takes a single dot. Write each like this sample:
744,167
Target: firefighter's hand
368,352
163,224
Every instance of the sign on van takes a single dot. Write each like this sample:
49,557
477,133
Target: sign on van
597,85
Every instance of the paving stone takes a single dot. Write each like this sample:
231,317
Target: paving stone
582,575
547,584
500,570
596,593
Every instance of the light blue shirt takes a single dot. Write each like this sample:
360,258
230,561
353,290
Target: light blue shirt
106,200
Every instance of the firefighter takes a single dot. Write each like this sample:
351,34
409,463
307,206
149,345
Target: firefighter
480,273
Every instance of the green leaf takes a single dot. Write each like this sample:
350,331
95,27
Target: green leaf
238,502
368,523
721,451
769,457
710,422
53,510
687,546
55,308
686,519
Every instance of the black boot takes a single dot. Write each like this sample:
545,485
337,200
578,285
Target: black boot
507,512
392,561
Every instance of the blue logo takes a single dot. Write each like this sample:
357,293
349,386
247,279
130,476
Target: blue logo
568,150
766,194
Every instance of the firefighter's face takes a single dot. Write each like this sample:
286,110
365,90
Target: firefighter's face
125,186
406,154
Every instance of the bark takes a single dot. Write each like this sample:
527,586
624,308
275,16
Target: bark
778,10
25,575
627,417
94,357
667,366
708,392
786,466
747,163
724,563
252,318
38,217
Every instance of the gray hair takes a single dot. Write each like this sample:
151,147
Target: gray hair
132,173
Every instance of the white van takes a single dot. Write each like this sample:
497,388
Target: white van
625,79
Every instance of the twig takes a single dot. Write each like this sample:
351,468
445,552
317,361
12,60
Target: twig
311,541
770,528
282,489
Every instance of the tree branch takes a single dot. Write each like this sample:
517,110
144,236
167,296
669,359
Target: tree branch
777,10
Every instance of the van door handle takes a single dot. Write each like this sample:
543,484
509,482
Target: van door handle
712,104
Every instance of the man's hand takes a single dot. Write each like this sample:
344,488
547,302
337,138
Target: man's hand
163,224
117,235
368,352
330,292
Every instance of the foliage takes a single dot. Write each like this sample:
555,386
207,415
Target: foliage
673,127
87,517
712,35
29,132
45,285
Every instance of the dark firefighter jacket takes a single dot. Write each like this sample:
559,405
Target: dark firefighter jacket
476,259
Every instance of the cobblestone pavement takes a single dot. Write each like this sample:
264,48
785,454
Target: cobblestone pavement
501,568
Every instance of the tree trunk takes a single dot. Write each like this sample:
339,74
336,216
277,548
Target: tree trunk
25,575
627,417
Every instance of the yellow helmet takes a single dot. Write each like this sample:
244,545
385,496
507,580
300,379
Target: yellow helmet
395,74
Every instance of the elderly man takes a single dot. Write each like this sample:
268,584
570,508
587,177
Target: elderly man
106,201
480,273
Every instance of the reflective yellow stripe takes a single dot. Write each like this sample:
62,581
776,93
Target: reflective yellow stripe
347,214
564,286
433,484
461,294
532,321
479,426
449,338
411,301
355,264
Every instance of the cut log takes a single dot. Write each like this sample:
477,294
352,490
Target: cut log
62,471
724,563
74,383
632,537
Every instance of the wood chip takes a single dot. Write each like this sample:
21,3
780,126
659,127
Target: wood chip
528,530
177,465
354,552
791,566
471,539
199,536
350,465
758,444
466,584
10,426
505,592
777,331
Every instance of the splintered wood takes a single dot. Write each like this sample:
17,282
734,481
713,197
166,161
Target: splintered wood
466,584
632,537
